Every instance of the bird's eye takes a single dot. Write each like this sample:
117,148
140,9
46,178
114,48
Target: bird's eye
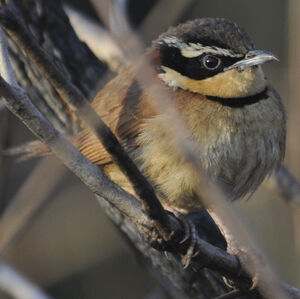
211,62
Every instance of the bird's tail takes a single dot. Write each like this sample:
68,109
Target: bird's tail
31,149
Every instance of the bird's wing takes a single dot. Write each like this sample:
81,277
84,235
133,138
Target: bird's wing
119,106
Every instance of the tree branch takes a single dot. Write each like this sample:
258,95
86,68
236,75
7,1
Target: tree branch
75,99
284,184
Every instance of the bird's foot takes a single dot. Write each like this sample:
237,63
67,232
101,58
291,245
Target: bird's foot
190,235
252,262
184,242
249,259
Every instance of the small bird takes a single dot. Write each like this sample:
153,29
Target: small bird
213,74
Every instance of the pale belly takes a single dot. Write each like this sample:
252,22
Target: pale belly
236,151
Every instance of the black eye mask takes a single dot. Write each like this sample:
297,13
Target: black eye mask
193,68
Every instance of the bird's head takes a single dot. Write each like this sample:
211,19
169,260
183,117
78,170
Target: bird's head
214,57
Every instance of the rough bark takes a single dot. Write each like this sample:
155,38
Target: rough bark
52,29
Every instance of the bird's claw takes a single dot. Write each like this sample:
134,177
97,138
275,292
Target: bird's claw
255,280
243,256
189,234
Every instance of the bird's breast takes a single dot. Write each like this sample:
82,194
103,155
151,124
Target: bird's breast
237,147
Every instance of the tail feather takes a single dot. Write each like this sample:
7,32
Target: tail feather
29,150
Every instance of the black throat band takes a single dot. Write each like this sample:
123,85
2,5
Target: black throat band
241,102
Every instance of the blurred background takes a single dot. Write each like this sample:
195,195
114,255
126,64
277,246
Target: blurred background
70,247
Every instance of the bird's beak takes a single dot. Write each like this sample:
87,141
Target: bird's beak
255,57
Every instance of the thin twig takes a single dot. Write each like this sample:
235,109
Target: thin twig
5,66
5,138
16,285
96,37
285,185
152,29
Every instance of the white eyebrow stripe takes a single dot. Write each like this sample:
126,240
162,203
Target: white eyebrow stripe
173,41
192,50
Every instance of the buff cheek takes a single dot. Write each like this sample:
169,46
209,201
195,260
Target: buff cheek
229,84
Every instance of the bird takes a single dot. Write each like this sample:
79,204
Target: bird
213,75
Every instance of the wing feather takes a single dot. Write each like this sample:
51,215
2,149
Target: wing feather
119,105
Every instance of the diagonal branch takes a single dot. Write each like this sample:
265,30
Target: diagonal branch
284,184
17,102
75,99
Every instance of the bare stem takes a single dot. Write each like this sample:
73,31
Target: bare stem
16,285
